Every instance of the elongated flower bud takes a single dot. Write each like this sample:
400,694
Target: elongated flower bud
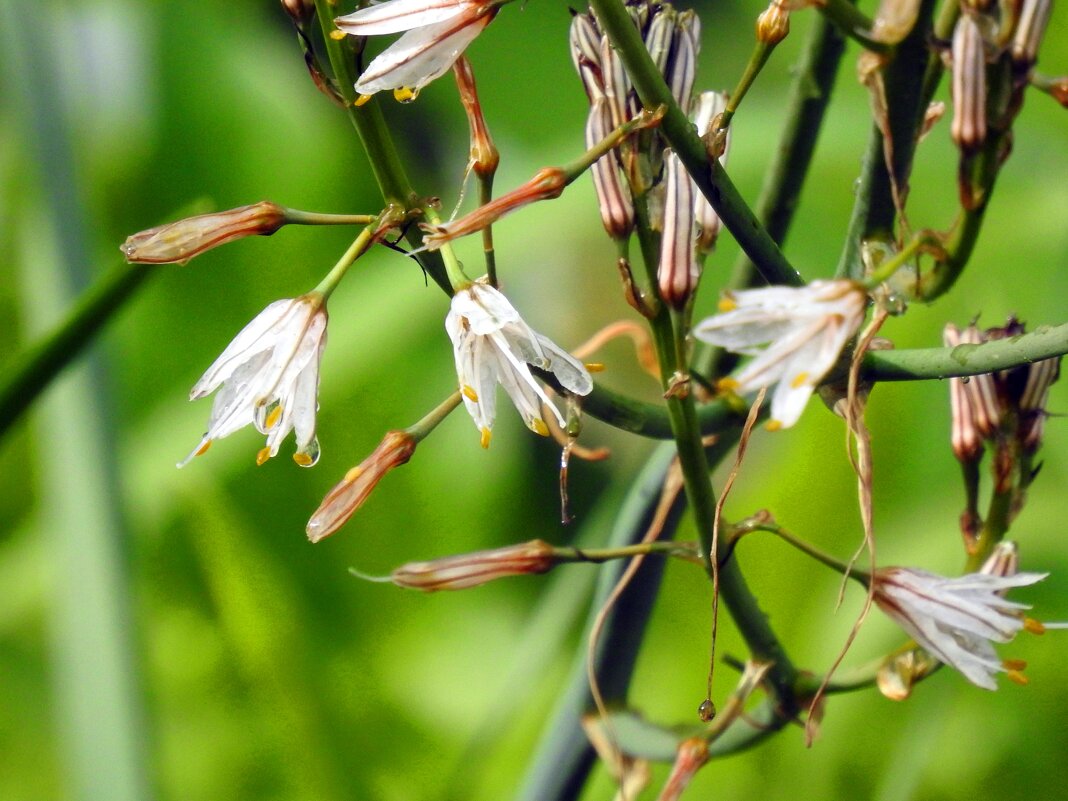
677,274
613,198
683,66
344,499
1030,28
966,438
969,85
178,242
709,106
472,569
484,155
586,54
773,24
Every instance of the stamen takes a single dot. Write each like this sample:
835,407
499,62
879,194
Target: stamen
203,448
595,367
263,455
727,303
728,384
799,380
337,36
361,100
469,393
405,94
486,435
1017,677
303,459
352,475
538,426
1033,626
773,425
1014,664
273,417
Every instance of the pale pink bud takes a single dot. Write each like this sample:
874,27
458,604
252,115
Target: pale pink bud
344,499
472,569
677,273
182,240
966,438
1030,28
613,199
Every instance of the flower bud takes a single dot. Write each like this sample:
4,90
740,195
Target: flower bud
682,69
484,155
182,240
300,11
969,84
677,273
773,24
344,499
472,569
709,106
1004,560
613,199
894,19
1030,28
966,438
585,40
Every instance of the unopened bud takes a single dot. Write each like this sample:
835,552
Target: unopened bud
659,38
894,19
343,500
300,11
585,41
1032,403
969,84
1004,560
709,106
677,274
547,183
617,85
966,438
773,24
1030,28
613,199
472,569
484,155
182,240
682,68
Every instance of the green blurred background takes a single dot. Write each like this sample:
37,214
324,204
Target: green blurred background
171,634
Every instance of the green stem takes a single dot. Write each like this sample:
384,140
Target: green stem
485,195
419,431
683,550
298,217
707,173
374,134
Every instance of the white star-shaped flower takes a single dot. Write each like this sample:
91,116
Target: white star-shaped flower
955,619
493,345
795,335
438,32
268,377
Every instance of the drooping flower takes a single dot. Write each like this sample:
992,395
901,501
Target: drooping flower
795,335
438,32
955,619
268,377
493,345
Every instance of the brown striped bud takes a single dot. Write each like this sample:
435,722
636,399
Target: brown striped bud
1030,28
344,499
472,569
182,240
659,38
682,69
678,272
966,438
613,198
969,85
585,39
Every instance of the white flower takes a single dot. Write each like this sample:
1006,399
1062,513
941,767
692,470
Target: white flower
955,619
269,378
804,329
493,345
438,31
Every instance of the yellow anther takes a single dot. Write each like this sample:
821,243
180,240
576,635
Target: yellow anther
1017,677
595,367
352,475
728,384
263,455
486,435
273,417
337,35
204,448
1014,664
799,380
361,100
773,425
727,303
405,94
469,393
537,425
303,459
1033,626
